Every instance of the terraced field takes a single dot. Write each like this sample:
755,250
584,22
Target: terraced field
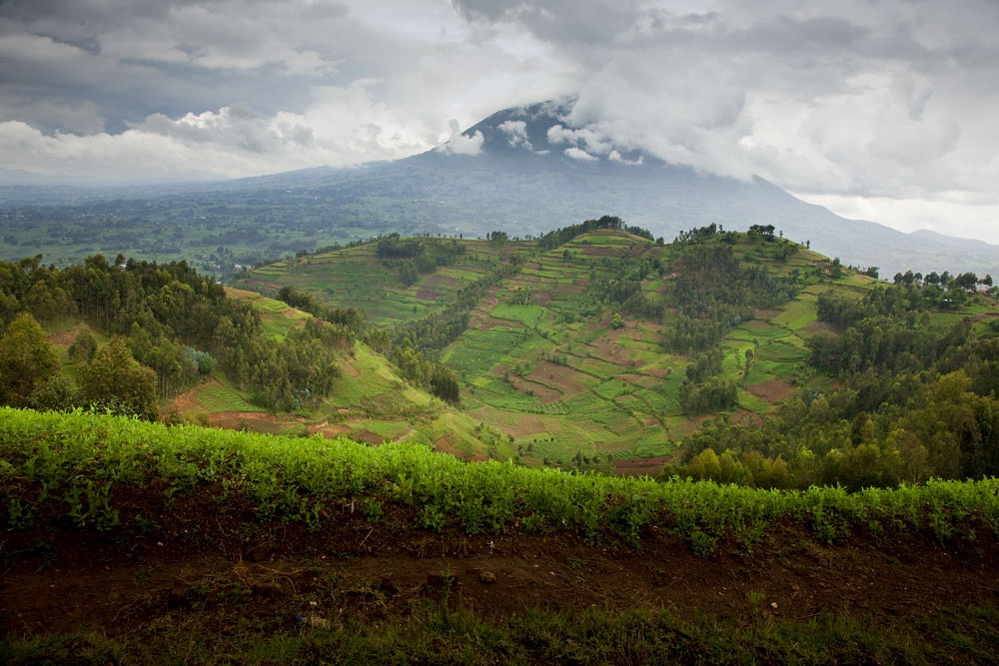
552,369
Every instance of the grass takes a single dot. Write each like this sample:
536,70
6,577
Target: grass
439,633
217,398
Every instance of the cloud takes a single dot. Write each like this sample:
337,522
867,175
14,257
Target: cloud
581,155
516,130
883,101
617,157
459,144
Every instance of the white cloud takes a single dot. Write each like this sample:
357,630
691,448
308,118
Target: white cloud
516,130
617,157
892,101
459,144
581,155
954,218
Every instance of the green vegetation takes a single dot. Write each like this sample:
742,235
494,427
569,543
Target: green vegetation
436,634
583,337
174,322
78,466
916,399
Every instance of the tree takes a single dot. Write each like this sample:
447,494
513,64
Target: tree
116,381
26,360
444,385
84,347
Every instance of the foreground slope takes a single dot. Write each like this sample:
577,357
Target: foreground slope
129,541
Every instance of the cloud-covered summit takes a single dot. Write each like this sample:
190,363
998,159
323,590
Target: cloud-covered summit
878,108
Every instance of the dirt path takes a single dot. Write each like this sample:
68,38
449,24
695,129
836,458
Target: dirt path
90,581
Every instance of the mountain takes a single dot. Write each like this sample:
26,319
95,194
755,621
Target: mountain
522,170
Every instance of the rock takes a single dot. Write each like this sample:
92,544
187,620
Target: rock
268,589
259,553
178,594
388,587
487,577
773,604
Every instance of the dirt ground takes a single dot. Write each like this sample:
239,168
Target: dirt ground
118,583
773,390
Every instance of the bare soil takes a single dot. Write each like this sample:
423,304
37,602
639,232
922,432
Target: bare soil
773,390
543,393
117,583
559,377
640,466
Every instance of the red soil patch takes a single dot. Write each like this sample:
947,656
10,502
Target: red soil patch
606,348
426,294
772,390
525,425
559,377
481,320
188,401
443,446
328,430
589,250
541,392
760,313
66,338
640,466
644,381
818,327
351,370
368,437
569,289
257,421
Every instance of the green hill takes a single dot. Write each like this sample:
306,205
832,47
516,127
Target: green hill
577,353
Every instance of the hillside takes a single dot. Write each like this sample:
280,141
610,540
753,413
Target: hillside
133,542
522,182
576,355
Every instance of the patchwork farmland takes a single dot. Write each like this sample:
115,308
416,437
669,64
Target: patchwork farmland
550,364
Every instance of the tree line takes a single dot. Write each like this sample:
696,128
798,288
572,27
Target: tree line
176,323
916,399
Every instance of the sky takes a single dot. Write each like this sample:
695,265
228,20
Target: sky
881,110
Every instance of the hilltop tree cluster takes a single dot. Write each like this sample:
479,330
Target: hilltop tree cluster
416,256
173,322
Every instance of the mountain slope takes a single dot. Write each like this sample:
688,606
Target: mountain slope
529,173
574,356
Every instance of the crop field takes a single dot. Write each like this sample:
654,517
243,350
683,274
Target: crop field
544,354
218,398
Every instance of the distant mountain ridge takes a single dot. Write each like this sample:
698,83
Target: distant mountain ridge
522,170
